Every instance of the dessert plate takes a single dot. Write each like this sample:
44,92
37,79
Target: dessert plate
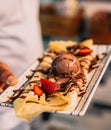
83,102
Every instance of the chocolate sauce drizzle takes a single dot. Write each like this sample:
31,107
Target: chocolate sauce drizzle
67,82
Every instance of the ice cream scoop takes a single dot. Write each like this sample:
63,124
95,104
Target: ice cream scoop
66,64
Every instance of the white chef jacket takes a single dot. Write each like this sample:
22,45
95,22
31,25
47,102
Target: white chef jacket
20,43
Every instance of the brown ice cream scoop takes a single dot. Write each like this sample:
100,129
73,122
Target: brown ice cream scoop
66,64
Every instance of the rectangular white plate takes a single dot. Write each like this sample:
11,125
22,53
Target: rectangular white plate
91,86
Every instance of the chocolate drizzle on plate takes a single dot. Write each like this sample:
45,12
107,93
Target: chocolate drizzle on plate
71,77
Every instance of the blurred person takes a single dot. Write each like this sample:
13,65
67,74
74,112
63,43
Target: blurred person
20,45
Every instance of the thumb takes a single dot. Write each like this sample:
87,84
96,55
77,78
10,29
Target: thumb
11,80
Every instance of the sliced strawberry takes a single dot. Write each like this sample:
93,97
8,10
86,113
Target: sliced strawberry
38,90
85,52
49,86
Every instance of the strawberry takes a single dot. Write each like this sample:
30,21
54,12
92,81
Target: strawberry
38,90
84,52
49,86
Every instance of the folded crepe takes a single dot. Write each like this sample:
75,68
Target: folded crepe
58,80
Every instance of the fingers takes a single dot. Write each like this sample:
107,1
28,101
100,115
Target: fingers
6,75
3,86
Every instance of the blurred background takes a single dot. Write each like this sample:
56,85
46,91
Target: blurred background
78,20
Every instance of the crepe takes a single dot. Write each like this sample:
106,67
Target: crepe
37,98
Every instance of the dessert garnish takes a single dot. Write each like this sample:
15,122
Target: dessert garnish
38,90
49,86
